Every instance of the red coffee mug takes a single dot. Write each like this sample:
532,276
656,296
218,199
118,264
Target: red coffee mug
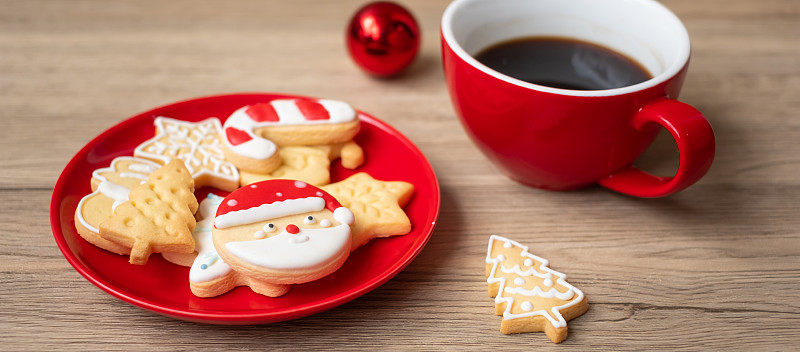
563,139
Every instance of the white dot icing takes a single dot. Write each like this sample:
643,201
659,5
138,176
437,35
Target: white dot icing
501,257
232,202
507,245
300,184
259,234
519,281
325,223
526,306
548,282
527,262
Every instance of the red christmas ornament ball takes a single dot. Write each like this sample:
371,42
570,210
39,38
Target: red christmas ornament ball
383,38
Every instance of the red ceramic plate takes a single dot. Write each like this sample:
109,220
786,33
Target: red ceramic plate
164,287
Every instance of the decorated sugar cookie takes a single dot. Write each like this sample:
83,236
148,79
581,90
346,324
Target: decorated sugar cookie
110,186
209,276
253,133
280,232
528,294
198,145
158,216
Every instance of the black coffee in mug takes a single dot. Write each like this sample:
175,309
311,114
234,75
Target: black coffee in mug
563,63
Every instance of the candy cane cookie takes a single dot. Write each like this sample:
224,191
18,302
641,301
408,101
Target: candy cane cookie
253,134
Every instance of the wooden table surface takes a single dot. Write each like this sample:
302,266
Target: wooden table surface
715,267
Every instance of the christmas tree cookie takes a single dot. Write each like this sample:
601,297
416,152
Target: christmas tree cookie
158,217
528,294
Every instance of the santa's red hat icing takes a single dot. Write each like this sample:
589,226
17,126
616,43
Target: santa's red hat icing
272,199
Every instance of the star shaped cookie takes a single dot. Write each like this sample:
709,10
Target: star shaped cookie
377,206
198,145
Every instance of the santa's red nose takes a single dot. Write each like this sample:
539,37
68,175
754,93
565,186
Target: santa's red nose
293,229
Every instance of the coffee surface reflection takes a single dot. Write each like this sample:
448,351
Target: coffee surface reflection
563,63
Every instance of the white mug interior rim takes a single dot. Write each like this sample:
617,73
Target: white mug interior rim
667,55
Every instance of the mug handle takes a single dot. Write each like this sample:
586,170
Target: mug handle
696,146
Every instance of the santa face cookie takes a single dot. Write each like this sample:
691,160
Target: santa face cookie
282,232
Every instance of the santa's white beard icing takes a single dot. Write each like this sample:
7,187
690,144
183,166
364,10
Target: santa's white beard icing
282,231
307,249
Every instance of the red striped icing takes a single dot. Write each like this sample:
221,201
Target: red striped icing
262,112
312,110
237,136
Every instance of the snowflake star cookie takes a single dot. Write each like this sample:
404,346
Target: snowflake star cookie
209,276
276,233
528,294
198,145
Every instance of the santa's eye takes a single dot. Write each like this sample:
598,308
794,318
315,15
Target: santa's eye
270,227
309,220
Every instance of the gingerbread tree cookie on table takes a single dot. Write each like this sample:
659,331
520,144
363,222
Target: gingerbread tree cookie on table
528,294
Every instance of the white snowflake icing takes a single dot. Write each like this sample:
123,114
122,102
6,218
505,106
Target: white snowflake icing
197,144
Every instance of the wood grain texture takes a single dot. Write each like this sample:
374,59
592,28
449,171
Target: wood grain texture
716,267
